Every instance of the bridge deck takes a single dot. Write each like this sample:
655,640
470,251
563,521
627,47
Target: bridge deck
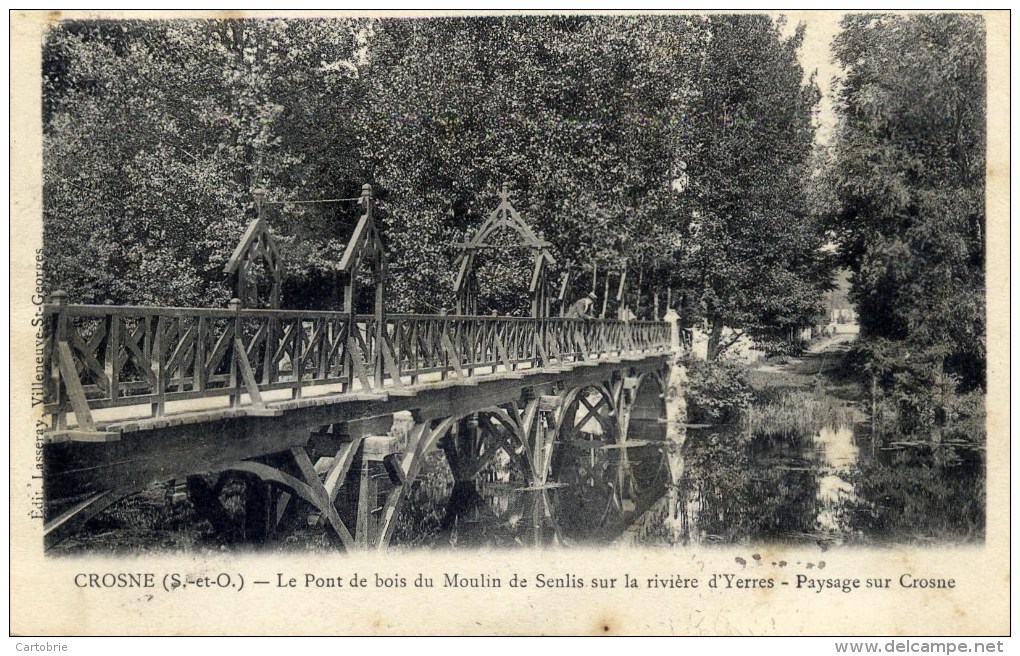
116,369
137,395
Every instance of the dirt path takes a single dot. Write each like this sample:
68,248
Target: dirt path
818,365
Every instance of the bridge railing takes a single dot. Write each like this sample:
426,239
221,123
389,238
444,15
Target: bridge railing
96,357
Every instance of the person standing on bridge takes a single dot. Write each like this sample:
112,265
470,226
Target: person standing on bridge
582,309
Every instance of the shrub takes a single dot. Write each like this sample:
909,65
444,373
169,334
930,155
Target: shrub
717,391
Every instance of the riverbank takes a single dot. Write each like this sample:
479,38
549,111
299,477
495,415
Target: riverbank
783,451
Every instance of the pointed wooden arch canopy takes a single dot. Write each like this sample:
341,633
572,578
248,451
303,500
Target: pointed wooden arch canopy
364,246
256,244
504,217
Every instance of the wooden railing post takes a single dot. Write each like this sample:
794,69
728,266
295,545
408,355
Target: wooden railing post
59,300
674,329
159,363
111,360
65,372
235,379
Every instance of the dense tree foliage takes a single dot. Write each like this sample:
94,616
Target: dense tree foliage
908,179
157,134
675,149
754,258
557,108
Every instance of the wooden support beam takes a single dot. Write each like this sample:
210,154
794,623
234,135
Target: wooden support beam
421,440
258,510
392,367
366,504
310,489
69,377
357,357
396,473
593,412
247,375
338,470
75,517
452,355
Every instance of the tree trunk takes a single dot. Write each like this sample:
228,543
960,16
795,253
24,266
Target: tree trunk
714,339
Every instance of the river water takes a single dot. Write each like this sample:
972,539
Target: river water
595,493
715,485
834,488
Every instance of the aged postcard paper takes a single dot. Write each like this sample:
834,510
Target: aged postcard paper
502,324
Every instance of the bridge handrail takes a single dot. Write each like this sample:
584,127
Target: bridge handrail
105,356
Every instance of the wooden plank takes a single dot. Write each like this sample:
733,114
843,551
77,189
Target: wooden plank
263,412
71,435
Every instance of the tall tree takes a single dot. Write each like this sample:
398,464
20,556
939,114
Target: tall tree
752,257
908,172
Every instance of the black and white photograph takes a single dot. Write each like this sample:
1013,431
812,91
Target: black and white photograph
704,294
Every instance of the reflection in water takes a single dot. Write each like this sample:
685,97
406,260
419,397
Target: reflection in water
836,455
705,486
595,491
828,489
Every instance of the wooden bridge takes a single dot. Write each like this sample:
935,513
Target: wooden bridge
329,415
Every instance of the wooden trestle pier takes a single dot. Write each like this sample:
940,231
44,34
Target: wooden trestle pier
301,404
